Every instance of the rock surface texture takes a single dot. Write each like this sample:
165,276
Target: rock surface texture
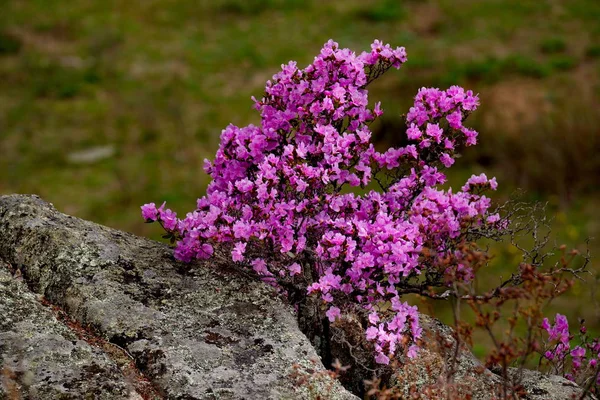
42,358
440,370
202,334
89,312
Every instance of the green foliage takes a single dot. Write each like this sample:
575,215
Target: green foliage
563,62
51,79
593,51
553,45
525,66
383,10
9,44
493,69
255,7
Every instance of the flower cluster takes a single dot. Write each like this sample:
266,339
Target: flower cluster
279,205
583,356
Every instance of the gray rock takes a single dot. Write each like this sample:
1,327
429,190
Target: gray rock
441,370
540,386
441,367
209,333
40,358
91,155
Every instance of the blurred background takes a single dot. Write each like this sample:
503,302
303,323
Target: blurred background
105,106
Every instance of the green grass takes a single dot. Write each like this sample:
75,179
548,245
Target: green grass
492,69
382,10
159,80
9,44
553,45
593,51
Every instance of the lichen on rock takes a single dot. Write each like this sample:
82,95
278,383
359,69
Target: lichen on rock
40,358
208,333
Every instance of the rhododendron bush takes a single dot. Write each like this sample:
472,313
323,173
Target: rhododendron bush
281,205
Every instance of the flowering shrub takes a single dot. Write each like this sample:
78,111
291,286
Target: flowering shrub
584,357
280,204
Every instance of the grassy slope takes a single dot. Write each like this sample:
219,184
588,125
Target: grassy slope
157,80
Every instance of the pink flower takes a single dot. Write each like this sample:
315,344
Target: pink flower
493,218
244,185
168,219
333,313
413,350
372,333
413,132
260,267
545,324
205,251
435,132
295,269
382,359
446,160
471,136
373,318
149,212
237,254
455,120
577,354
